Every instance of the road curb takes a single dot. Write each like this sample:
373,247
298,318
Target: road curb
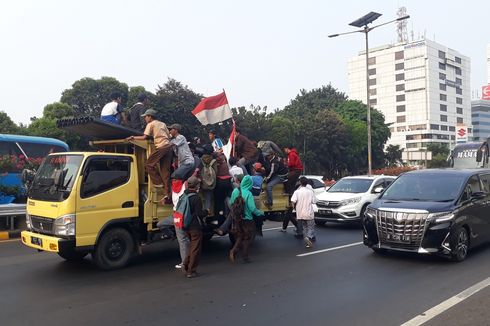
6,235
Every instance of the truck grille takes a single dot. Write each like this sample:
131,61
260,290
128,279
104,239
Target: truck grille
328,204
401,229
42,224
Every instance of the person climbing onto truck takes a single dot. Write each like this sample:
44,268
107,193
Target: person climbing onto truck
185,158
242,215
134,114
246,151
295,168
278,173
112,111
162,155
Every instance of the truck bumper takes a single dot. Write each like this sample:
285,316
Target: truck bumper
46,242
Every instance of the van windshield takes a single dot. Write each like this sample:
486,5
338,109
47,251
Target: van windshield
425,187
44,186
351,185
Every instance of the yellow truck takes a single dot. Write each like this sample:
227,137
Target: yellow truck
103,203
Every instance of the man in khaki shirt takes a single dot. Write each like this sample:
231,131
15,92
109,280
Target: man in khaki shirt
161,138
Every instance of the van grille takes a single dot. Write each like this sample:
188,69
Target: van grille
42,224
402,230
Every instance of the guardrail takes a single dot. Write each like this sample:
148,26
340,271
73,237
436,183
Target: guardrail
12,211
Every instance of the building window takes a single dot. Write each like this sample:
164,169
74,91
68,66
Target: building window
442,76
442,54
373,91
457,71
443,107
400,98
443,118
459,100
434,127
372,82
400,108
399,77
399,55
443,128
453,137
459,120
459,110
400,66
442,66
372,61
459,81
442,87
470,130
372,71
443,97
417,127
400,119
457,59
373,101
459,91
400,87
401,128
452,128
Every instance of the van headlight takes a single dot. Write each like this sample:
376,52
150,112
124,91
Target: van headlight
441,217
28,221
370,213
65,225
350,201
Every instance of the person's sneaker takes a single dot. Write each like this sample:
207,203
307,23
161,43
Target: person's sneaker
191,275
179,266
308,243
313,239
282,230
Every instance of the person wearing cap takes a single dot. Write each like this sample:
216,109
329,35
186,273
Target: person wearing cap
217,143
185,158
162,155
134,114
194,230
111,112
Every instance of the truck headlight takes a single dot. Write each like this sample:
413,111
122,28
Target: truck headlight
28,221
350,201
441,217
65,225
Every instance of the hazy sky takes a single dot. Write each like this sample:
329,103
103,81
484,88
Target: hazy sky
260,52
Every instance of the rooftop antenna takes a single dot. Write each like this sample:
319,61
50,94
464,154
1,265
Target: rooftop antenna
401,26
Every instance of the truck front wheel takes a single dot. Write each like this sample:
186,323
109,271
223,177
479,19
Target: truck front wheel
114,249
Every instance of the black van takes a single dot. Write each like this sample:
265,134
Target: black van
435,211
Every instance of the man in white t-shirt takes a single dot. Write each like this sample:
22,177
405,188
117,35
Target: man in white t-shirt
111,112
304,198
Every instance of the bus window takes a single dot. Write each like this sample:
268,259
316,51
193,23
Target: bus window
40,150
9,148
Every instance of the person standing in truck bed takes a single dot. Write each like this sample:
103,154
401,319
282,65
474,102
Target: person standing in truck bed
135,113
163,154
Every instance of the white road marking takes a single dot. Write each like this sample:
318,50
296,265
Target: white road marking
445,305
278,228
329,249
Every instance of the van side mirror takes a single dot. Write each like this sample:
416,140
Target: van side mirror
478,195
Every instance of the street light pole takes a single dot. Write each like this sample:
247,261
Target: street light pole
363,22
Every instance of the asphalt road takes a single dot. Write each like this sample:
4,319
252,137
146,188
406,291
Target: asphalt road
343,286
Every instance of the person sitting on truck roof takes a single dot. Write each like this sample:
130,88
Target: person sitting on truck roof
278,172
163,154
135,119
111,112
185,158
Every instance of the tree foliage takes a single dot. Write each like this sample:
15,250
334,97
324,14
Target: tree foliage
440,153
393,155
7,126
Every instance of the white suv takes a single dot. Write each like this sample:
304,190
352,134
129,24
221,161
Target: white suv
347,199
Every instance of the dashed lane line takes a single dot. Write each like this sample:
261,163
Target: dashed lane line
329,249
445,305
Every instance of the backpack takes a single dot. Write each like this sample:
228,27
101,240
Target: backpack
237,213
208,176
182,214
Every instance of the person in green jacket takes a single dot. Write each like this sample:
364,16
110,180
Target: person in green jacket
246,228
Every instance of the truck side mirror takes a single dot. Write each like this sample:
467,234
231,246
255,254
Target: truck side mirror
27,176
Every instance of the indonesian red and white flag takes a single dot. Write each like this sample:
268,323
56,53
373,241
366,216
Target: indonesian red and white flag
228,148
213,109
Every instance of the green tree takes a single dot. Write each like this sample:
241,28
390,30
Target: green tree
58,110
440,153
393,155
255,122
7,126
87,96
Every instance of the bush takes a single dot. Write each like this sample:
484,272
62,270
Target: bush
397,170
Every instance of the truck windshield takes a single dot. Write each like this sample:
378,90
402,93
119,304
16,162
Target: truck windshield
44,186
425,187
351,185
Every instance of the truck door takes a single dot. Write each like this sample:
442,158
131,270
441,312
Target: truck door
108,192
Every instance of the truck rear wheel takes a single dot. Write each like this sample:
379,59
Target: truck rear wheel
114,249
72,255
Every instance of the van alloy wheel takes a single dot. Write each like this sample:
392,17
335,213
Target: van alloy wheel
460,245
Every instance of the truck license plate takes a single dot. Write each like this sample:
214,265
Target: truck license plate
37,241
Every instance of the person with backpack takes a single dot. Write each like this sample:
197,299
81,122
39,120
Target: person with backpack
208,178
242,213
193,224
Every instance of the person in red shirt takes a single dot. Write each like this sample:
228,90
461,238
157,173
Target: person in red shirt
295,168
